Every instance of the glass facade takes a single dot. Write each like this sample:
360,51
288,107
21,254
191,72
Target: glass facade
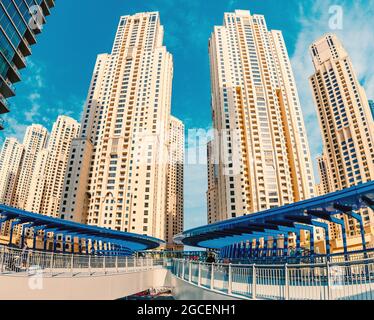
371,105
20,22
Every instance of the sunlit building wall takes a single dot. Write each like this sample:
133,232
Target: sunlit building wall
262,148
345,121
175,183
118,172
10,161
50,168
34,142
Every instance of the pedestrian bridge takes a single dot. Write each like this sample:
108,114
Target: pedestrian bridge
257,260
52,276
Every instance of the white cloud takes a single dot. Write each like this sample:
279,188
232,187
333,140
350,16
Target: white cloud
358,38
35,75
33,112
13,129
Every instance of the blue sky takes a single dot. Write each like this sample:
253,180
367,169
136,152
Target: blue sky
59,71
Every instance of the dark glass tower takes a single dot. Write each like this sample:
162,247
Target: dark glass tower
20,22
371,105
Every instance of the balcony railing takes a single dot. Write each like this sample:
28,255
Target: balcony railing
352,280
4,105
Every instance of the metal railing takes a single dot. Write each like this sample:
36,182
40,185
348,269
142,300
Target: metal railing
280,258
353,280
24,262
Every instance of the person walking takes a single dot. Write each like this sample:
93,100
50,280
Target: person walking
211,259
24,255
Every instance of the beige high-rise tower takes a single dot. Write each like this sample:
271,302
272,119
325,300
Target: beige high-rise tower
261,147
175,182
345,121
212,193
34,142
10,161
118,172
50,167
324,186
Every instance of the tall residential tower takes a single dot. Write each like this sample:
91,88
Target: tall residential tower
50,168
34,142
175,182
345,120
118,172
10,161
212,193
261,148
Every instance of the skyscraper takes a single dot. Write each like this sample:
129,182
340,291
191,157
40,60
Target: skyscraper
20,22
117,173
261,144
212,193
50,168
324,185
34,142
10,160
345,120
175,182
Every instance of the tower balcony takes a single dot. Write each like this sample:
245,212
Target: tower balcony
7,89
45,7
19,60
4,108
51,3
24,47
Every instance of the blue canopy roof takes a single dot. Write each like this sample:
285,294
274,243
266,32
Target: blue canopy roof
289,218
134,242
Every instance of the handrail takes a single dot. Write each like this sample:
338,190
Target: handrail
367,260
27,262
317,258
320,281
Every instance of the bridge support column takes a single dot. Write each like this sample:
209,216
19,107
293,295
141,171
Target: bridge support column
257,248
285,245
242,250
275,246
266,247
311,234
298,243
